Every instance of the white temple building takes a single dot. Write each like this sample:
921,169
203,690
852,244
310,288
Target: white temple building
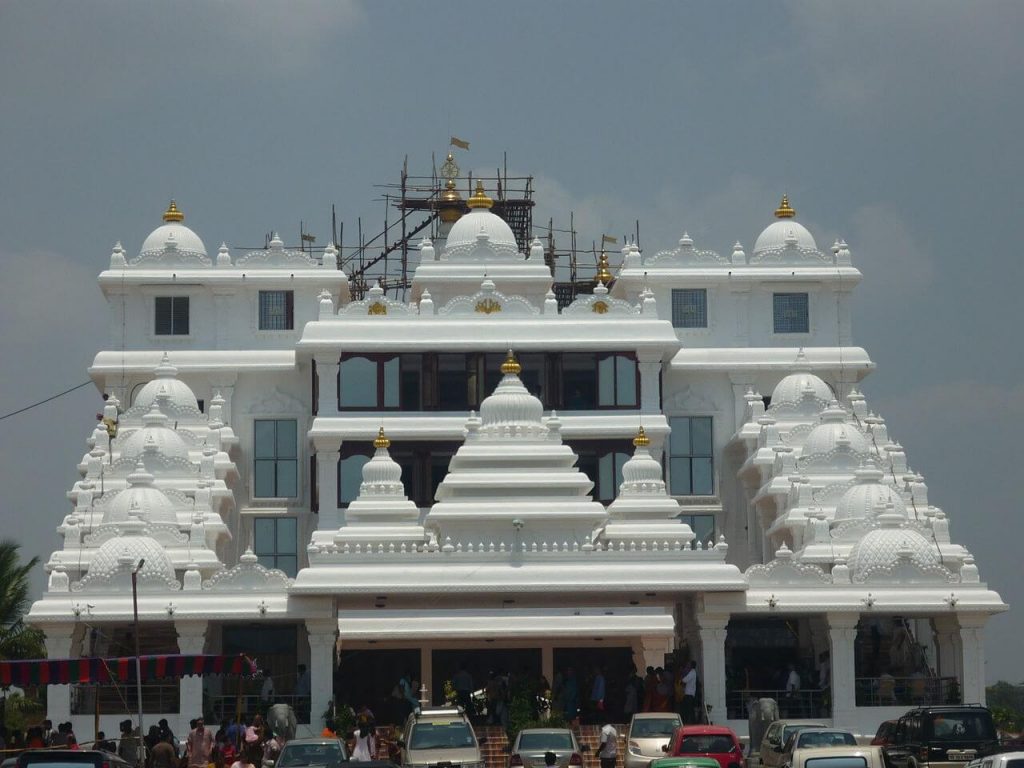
679,465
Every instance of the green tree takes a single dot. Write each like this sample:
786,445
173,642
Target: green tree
17,639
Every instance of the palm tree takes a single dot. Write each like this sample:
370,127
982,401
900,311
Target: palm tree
17,639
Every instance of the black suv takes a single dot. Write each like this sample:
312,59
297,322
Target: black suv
942,737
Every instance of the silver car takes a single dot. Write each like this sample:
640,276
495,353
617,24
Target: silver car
301,753
649,733
528,750
433,736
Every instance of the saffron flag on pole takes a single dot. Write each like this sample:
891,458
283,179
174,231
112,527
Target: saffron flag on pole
609,239
459,143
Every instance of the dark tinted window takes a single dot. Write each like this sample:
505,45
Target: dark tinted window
441,736
545,741
953,726
836,762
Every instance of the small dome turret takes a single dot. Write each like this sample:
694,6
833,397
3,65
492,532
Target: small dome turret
173,234
885,546
511,406
784,232
480,234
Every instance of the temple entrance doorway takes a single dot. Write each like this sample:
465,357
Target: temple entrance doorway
615,664
366,676
519,665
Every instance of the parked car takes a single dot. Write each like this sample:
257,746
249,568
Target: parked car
433,736
529,747
885,734
776,736
1001,760
816,738
685,762
301,753
69,758
648,733
710,741
840,757
942,737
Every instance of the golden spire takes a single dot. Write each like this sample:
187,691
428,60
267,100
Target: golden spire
641,440
604,275
381,441
511,365
173,214
785,210
480,198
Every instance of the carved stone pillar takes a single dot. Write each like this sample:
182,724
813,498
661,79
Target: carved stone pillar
330,516
327,386
58,646
972,648
650,386
842,632
712,643
191,640
322,638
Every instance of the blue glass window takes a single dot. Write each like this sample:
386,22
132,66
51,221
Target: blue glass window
275,453
275,542
790,313
277,310
689,308
691,461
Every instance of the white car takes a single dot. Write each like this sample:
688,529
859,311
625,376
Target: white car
1002,760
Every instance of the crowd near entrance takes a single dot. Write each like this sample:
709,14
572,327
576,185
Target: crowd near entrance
585,685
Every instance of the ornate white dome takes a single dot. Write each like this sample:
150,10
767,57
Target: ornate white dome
180,400
642,472
511,410
886,546
833,434
480,234
869,493
382,476
141,500
782,233
794,387
119,556
175,232
154,437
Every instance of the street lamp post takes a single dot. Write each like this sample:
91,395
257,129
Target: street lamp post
140,748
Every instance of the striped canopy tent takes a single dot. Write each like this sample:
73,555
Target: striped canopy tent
122,669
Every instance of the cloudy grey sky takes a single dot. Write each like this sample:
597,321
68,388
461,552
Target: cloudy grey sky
894,125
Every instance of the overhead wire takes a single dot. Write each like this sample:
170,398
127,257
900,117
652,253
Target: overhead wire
46,400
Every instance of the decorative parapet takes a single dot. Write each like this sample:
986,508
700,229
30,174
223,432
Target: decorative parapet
685,255
784,570
276,255
377,304
248,576
488,301
600,303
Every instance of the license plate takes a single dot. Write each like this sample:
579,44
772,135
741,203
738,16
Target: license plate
960,755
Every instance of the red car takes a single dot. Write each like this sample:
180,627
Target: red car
714,741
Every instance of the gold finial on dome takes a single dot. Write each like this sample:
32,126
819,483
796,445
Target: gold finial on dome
511,365
381,440
480,198
604,275
172,213
641,440
785,210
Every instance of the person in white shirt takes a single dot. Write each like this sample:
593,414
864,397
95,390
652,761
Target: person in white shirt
689,703
792,681
609,746
267,691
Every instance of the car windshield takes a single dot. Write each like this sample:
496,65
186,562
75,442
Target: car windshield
704,745
807,739
545,741
441,735
1018,763
954,726
789,730
650,727
847,761
311,754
